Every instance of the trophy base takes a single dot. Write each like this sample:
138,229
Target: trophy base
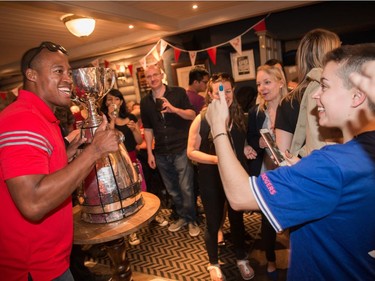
112,212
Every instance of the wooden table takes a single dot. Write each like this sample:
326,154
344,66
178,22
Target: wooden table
112,234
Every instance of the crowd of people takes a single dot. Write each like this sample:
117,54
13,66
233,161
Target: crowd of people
197,142
323,199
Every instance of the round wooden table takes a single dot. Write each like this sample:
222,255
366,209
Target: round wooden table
112,234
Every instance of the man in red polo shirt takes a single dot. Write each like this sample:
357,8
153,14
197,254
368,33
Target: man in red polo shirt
36,181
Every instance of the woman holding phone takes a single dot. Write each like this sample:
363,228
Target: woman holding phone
272,87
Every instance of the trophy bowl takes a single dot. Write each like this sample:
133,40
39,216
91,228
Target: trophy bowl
93,82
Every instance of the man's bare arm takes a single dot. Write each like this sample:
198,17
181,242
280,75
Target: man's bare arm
149,138
187,114
37,195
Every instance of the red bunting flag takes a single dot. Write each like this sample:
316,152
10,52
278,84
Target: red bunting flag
177,53
212,53
130,67
260,26
106,64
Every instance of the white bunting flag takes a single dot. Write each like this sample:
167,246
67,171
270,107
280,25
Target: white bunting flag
237,44
193,56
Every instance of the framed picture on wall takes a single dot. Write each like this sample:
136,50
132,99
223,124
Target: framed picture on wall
243,66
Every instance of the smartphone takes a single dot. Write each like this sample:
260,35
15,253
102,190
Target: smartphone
273,149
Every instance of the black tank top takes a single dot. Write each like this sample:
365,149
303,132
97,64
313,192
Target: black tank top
236,137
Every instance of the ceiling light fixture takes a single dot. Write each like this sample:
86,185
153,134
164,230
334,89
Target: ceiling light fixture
79,26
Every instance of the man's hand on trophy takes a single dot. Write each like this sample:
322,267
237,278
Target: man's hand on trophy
105,140
104,125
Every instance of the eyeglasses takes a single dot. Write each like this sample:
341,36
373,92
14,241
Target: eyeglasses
204,81
153,76
52,47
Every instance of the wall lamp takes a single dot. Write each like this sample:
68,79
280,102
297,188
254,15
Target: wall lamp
79,26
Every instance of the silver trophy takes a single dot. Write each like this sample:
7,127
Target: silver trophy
112,190
91,84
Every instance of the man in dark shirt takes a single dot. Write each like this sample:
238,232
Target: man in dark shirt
198,79
170,127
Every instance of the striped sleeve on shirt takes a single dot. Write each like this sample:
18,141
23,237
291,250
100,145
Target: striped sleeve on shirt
263,205
16,138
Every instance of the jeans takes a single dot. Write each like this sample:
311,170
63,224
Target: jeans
66,276
177,173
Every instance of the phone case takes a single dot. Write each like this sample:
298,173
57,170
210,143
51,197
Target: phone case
275,151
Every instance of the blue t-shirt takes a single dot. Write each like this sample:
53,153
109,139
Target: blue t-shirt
328,202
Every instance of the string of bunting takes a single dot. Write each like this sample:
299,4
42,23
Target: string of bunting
162,45
235,42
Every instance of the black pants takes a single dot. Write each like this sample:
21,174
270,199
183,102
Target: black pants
213,199
268,239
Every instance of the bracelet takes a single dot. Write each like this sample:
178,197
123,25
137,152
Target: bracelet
218,135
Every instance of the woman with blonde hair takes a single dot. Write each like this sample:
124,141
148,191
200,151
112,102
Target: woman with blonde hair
272,88
309,59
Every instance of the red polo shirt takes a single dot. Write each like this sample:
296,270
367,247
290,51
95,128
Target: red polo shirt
31,143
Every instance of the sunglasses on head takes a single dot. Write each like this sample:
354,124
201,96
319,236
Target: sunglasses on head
50,46
220,76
